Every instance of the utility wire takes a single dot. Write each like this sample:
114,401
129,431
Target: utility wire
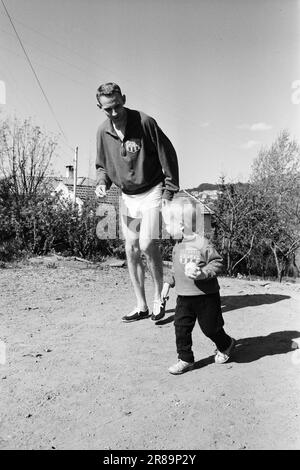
17,54
206,207
178,112
198,200
34,72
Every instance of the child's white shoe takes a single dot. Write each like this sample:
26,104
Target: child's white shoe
222,357
180,367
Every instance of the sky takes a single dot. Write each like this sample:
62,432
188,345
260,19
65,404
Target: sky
217,75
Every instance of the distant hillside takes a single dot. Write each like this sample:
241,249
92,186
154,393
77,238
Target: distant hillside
212,187
204,187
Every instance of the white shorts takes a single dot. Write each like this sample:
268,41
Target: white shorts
140,214
136,205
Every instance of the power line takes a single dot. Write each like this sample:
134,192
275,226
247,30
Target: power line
34,73
178,113
206,207
169,106
212,133
51,55
45,66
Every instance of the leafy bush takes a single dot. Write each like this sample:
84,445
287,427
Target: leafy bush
45,223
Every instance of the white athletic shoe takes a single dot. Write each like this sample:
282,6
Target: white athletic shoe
222,357
180,367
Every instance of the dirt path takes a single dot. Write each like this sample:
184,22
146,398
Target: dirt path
77,378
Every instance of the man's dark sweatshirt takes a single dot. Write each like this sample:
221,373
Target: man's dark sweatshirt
145,158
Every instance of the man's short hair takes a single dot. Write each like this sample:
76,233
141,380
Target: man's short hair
107,89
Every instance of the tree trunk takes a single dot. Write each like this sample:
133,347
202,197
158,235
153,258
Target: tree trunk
279,273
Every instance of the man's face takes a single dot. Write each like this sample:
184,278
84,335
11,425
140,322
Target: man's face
113,107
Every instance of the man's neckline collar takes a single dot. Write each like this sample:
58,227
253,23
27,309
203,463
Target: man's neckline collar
109,128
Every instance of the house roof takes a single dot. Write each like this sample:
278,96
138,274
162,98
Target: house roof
84,192
85,186
86,189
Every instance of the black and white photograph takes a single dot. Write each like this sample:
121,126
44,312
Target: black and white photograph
149,228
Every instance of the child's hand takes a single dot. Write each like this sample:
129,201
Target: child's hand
194,272
191,270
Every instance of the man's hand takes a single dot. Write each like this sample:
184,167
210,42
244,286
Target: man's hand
165,202
100,190
165,210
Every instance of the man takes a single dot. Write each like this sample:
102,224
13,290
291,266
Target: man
134,153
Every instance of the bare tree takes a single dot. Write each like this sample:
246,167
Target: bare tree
276,177
25,156
235,217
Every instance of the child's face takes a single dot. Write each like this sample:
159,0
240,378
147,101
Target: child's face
175,228
175,221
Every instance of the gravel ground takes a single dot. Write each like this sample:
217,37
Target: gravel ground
76,377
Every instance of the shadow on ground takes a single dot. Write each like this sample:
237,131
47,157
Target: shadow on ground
233,302
252,349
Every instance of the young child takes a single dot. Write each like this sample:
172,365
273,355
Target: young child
196,265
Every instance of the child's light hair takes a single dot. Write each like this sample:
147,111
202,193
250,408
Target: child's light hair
182,204
182,210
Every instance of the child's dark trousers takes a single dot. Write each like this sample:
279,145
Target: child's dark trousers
207,310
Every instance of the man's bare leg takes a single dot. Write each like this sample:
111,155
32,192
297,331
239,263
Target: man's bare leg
137,274
135,264
149,235
154,262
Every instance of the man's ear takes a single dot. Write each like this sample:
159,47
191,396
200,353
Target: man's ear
124,99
